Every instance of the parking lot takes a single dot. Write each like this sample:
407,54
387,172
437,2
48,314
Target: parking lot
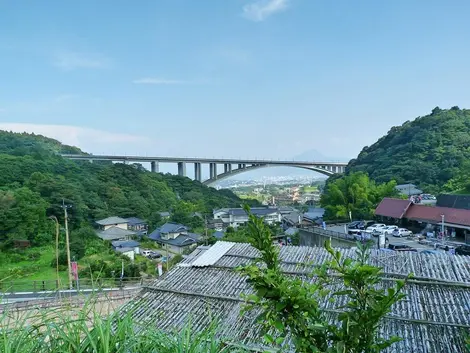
392,240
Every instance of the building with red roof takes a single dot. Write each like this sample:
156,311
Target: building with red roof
404,211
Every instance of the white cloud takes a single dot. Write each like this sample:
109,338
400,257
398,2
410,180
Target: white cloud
160,81
71,60
91,140
262,9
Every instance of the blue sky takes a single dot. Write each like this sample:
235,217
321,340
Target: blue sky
229,78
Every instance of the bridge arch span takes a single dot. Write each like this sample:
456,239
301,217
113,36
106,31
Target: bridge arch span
255,167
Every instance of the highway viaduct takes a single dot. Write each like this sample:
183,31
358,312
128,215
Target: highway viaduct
230,166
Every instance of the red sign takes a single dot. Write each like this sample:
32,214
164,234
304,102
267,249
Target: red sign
74,270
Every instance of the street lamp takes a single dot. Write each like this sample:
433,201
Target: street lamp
54,218
442,226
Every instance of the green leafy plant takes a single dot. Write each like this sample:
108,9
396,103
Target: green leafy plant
291,307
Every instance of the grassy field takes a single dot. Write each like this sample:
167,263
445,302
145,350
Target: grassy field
309,189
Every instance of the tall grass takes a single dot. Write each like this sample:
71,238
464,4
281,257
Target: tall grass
88,330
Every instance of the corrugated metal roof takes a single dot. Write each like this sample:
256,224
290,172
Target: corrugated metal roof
211,256
430,319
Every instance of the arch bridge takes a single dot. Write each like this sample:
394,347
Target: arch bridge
230,167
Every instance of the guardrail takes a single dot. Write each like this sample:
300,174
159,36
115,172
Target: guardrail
330,233
69,301
35,286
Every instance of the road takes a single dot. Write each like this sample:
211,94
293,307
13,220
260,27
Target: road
48,295
393,240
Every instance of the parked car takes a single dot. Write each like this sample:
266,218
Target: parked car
354,231
146,253
368,224
401,247
376,233
462,250
354,225
401,232
388,229
376,226
154,255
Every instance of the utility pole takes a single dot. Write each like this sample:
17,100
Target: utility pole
67,243
205,224
442,229
167,259
54,218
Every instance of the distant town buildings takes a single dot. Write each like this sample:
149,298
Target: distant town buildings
234,217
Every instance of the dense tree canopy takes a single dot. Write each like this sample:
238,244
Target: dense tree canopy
354,193
34,179
428,151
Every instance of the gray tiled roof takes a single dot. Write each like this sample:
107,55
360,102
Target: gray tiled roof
257,211
291,231
111,220
430,319
170,227
293,217
134,221
114,233
125,244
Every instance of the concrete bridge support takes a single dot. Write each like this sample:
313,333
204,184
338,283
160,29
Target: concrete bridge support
213,170
181,168
154,167
227,168
197,172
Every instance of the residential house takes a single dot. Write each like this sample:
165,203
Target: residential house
110,222
176,237
314,216
235,217
115,233
137,225
114,228
165,214
292,219
430,320
130,248
408,189
216,224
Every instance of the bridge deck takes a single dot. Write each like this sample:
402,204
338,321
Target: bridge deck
200,160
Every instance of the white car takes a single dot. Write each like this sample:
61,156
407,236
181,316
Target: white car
376,226
402,232
389,229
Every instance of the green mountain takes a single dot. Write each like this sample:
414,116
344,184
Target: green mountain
432,152
34,179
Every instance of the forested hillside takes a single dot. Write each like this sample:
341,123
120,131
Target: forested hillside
34,179
432,152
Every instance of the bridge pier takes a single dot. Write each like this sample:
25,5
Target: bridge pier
154,167
213,170
227,168
197,171
181,168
